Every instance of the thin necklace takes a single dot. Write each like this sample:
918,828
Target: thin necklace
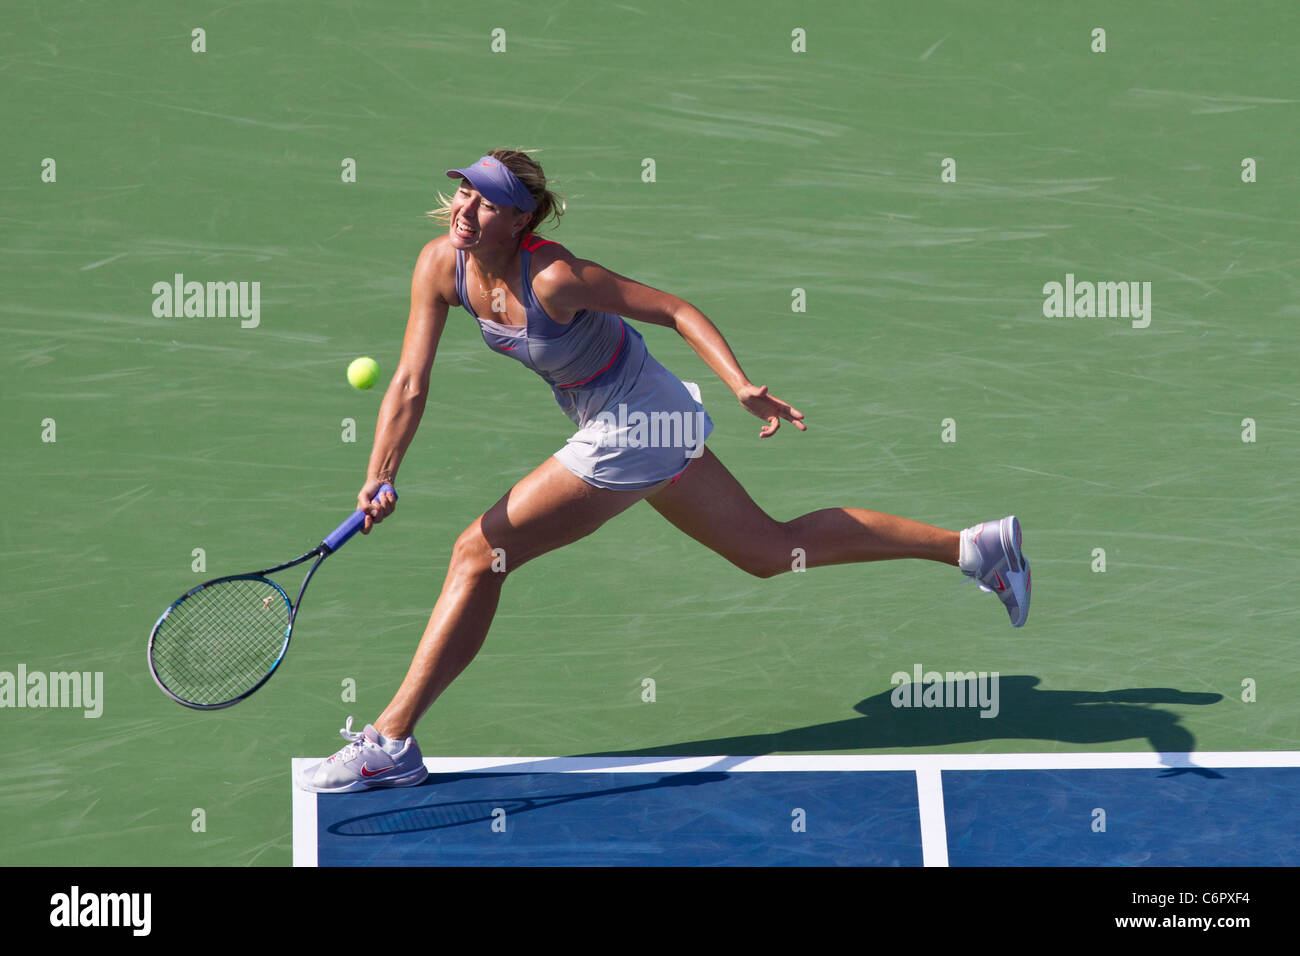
481,290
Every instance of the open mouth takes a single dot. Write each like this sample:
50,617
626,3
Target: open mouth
464,231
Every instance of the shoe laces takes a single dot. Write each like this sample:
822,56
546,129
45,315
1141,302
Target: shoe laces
356,743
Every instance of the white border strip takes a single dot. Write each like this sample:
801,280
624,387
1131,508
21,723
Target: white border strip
304,817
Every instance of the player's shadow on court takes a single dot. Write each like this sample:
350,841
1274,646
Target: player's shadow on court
444,814
1022,712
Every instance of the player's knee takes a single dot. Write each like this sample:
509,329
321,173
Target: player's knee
761,564
768,556
474,556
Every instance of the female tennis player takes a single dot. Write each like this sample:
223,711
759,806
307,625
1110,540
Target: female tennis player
641,436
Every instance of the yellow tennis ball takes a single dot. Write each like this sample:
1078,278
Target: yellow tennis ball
363,373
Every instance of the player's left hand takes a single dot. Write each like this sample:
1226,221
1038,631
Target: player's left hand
769,408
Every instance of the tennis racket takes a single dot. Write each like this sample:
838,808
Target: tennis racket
219,642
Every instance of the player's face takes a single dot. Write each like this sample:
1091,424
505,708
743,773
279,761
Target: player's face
478,223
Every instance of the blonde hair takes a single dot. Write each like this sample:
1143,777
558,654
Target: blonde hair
529,172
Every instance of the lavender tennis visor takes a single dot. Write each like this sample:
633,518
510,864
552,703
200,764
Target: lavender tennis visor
496,183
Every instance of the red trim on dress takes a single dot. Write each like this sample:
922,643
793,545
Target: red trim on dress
622,334
531,242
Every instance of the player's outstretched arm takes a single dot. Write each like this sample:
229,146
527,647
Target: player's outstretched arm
403,404
574,284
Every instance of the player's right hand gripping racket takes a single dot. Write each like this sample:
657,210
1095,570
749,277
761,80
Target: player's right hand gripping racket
222,640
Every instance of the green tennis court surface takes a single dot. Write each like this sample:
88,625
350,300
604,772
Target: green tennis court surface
1152,467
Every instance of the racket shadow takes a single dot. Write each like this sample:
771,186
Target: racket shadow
457,813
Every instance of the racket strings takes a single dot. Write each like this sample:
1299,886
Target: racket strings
217,644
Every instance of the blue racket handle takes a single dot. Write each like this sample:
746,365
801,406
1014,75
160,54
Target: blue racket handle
355,522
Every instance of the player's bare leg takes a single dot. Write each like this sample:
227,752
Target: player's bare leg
548,509
711,506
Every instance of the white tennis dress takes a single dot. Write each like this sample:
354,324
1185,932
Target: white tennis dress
638,424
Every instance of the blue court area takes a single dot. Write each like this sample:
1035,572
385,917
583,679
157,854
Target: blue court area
628,819
958,810
1241,816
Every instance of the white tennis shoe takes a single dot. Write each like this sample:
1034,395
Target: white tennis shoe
369,760
990,555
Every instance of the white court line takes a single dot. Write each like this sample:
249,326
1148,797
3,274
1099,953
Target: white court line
304,818
927,767
865,762
934,828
